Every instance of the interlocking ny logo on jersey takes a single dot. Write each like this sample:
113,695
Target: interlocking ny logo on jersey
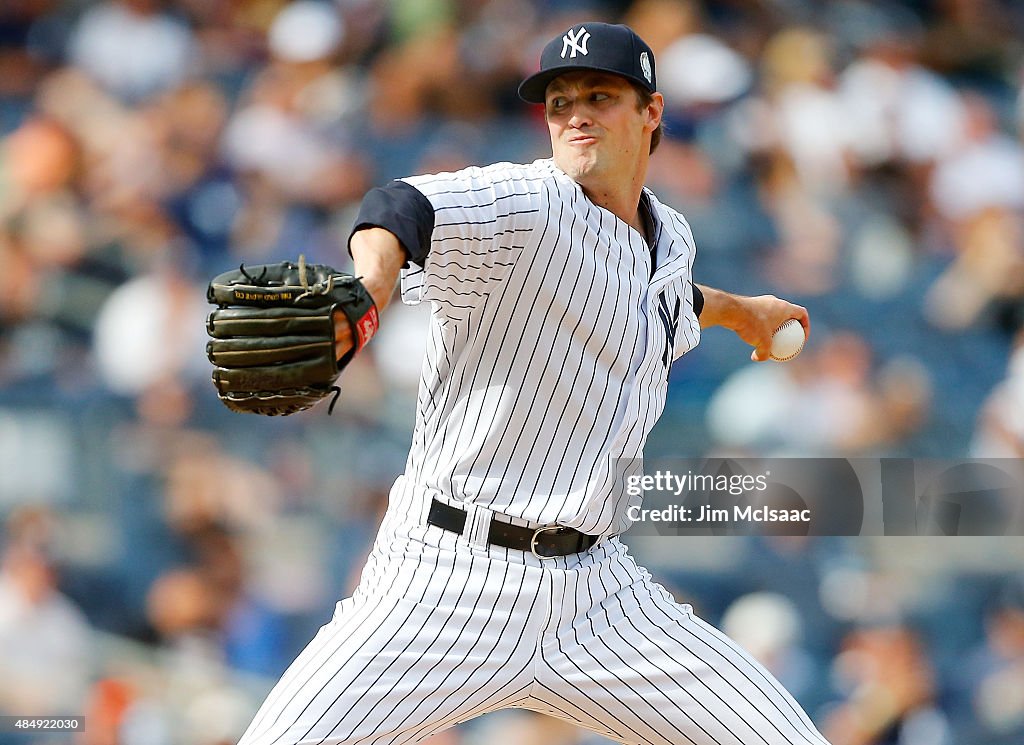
575,42
670,320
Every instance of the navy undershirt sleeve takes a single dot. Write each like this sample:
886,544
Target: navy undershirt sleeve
403,210
698,300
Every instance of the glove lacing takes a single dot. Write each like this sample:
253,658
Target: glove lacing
319,288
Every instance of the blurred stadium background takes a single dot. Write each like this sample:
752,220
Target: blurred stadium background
163,560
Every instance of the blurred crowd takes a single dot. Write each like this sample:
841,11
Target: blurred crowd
162,561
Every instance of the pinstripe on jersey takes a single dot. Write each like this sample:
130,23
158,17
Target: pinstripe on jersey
547,358
547,364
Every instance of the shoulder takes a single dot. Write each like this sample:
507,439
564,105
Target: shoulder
672,220
519,177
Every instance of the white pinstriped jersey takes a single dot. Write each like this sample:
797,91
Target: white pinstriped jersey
550,343
548,359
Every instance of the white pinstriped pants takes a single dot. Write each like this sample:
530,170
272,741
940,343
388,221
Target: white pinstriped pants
440,631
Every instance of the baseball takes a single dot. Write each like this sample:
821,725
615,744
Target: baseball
788,340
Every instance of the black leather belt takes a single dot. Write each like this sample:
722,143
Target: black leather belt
544,543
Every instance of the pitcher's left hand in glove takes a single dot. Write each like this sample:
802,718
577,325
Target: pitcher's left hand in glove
273,334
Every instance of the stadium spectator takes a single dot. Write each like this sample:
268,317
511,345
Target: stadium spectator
891,693
45,641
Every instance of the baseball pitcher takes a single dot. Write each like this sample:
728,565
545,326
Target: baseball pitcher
561,292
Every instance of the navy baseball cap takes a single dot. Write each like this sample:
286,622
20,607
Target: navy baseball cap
592,46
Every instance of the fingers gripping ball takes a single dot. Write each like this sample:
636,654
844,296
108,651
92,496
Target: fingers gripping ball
788,341
272,334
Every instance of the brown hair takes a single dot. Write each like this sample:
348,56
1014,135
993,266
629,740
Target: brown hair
644,99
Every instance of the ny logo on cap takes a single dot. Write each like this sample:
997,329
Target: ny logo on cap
645,65
576,42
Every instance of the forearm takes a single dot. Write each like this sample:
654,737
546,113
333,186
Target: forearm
378,258
720,308
753,319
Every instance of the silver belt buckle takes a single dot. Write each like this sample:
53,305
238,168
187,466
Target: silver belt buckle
536,535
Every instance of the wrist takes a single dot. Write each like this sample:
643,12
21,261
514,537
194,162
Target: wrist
380,291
